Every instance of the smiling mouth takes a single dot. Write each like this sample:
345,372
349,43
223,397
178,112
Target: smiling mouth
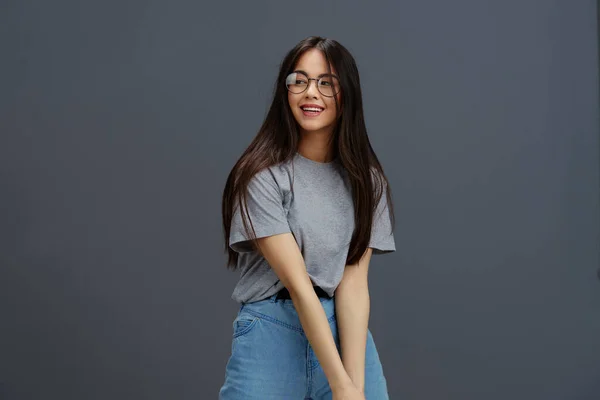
311,111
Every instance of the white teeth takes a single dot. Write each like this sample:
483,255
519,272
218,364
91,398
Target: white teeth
312,109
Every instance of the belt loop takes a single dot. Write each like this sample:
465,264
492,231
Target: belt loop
273,298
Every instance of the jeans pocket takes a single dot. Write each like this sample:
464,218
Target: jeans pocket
243,324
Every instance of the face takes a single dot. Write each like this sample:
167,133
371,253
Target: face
313,63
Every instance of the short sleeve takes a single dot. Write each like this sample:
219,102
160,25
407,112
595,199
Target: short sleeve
266,211
382,237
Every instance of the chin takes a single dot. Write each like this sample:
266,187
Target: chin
313,128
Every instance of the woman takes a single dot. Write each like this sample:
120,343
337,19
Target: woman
304,208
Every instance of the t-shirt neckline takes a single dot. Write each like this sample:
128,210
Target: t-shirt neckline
316,163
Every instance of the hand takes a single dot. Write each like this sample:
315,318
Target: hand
348,392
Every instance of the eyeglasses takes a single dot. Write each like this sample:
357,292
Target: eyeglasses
327,84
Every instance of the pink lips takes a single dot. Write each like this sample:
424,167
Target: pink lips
311,113
311,105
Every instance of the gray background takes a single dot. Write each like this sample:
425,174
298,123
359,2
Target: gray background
119,123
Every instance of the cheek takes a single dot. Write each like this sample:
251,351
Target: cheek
293,103
293,99
339,100
331,107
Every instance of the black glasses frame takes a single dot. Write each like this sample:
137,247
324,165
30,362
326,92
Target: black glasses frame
313,79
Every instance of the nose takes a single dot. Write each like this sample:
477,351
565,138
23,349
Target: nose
312,90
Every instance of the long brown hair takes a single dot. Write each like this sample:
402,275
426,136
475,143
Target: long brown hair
277,141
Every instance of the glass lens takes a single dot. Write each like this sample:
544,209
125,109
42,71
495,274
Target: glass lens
296,82
329,85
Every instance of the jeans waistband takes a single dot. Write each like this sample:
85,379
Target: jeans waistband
283,310
285,294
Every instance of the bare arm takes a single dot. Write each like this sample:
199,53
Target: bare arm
352,304
283,255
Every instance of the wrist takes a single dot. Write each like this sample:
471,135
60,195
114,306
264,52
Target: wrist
340,382
357,378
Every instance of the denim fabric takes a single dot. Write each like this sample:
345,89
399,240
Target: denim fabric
271,358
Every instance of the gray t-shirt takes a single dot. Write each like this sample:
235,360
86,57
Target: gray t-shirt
320,215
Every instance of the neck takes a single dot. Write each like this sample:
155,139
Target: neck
317,146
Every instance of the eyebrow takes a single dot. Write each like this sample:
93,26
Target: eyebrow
305,73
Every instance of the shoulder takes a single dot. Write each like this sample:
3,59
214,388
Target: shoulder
274,177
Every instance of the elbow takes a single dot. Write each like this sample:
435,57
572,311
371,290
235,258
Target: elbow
353,286
300,287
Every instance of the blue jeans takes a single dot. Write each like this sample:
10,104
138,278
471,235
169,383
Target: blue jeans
271,358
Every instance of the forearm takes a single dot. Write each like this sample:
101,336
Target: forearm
352,313
318,332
